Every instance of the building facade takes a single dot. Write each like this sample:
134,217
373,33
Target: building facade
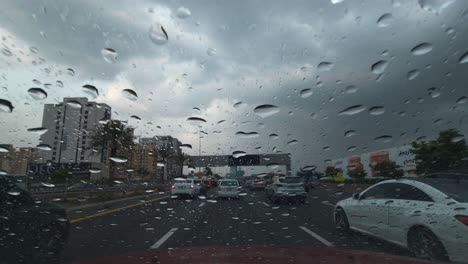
68,125
168,152
15,161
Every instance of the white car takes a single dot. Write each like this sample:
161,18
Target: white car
228,188
286,188
429,216
185,187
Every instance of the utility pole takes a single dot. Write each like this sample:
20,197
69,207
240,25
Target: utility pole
199,147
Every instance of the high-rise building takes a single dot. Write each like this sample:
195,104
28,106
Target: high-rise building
169,151
68,125
15,161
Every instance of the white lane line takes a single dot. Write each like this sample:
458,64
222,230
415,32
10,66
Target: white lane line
202,204
265,204
319,238
164,238
328,203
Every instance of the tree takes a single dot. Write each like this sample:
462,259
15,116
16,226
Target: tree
115,136
448,151
60,176
389,169
331,172
357,173
183,159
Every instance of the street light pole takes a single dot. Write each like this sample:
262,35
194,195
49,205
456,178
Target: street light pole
199,147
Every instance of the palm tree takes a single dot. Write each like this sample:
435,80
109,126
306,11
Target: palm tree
183,159
115,136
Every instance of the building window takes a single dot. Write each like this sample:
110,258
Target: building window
53,158
86,117
54,153
86,112
83,142
85,122
57,127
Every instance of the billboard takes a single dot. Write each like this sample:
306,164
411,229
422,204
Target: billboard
402,156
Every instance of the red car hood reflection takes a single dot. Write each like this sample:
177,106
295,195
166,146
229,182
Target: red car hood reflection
253,254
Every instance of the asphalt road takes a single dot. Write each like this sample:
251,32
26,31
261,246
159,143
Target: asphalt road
159,221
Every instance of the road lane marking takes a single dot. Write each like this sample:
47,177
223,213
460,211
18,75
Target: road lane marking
319,238
202,204
117,209
265,204
164,238
328,203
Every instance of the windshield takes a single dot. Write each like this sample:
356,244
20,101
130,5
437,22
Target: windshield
121,120
228,183
456,189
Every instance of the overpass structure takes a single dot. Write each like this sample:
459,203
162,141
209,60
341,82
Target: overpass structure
270,160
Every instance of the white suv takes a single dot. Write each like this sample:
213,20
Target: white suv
286,188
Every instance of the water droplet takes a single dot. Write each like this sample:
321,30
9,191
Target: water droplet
130,94
163,202
384,139
242,134
433,92
91,90
14,193
44,147
274,136
37,93
7,52
49,185
33,50
285,214
221,121
306,93
350,133
462,100
353,110
273,165
196,120
94,170
71,72
237,154
336,1
293,142
239,104
211,201
6,106
352,148
463,58
385,20
309,168
434,6
266,110
38,130
185,146
458,138
3,172
183,12
350,89
118,159
411,75
376,110
421,49
379,67
324,66
59,84
211,51
109,55
158,34
135,117
3,150
160,163
74,104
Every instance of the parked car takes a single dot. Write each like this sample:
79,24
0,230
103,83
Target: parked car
30,232
286,188
185,187
228,188
429,216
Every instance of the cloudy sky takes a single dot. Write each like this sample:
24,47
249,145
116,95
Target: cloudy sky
397,62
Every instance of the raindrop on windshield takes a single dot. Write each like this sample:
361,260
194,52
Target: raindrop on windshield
118,159
377,110
242,134
211,51
6,106
457,138
37,93
306,93
91,90
185,146
130,94
74,104
196,120
411,75
109,55
158,34
135,117
384,139
350,89
433,92
350,133
462,100
421,49
352,148
71,72
336,1
3,150
385,20
379,67
324,66
183,12
38,130
463,58
239,105
273,165
94,170
434,6
353,110
44,147
274,136
49,185
309,168
293,142
266,110
237,154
